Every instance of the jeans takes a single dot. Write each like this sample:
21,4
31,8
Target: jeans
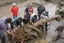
46,25
14,17
39,16
2,36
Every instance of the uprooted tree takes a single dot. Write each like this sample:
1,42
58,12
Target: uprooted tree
29,31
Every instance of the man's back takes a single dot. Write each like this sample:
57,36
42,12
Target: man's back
2,24
27,10
3,18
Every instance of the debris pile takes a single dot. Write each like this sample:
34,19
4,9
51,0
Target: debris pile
60,36
56,35
30,32
22,35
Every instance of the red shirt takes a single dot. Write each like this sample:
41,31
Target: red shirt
31,11
14,10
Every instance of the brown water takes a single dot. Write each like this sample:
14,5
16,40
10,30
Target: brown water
41,41
5,11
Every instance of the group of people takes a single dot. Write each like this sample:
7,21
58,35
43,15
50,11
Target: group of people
8,23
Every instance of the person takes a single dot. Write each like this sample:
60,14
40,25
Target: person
45,15
4,27
26,19
3,18
31,10
26,12
33,19
17,22
40,10
14,10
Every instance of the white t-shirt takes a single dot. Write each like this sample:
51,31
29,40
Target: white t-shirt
33,16
43,16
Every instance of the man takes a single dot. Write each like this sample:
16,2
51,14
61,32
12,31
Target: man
45,15
33,18
14,10
40,10
26,19
31,10
17,22
26,12
4,27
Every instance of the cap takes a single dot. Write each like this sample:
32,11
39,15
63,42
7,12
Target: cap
41,3
14,4
31,4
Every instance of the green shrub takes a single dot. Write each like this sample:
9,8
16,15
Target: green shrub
23,0
35,4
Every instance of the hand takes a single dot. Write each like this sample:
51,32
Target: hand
9,32
5,33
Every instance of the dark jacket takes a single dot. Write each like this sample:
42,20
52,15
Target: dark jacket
40,9
27,10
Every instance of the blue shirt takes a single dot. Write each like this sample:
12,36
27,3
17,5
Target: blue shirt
3,25
16,22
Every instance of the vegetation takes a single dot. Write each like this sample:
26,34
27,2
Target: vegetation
23,0
35,4
4,3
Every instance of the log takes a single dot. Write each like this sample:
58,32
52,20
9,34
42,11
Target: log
42,21
34,28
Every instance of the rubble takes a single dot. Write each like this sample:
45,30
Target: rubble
56,35
60,9
60,36
22,35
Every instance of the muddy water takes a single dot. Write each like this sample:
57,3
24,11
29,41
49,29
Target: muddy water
41,41
49,7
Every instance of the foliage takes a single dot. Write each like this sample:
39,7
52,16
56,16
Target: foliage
23,0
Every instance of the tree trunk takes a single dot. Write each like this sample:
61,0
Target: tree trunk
42,21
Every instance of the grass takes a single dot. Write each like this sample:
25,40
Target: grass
45,2
23,0
35,4
10,2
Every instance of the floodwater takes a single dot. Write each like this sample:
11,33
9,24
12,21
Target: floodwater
41,41
49,7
